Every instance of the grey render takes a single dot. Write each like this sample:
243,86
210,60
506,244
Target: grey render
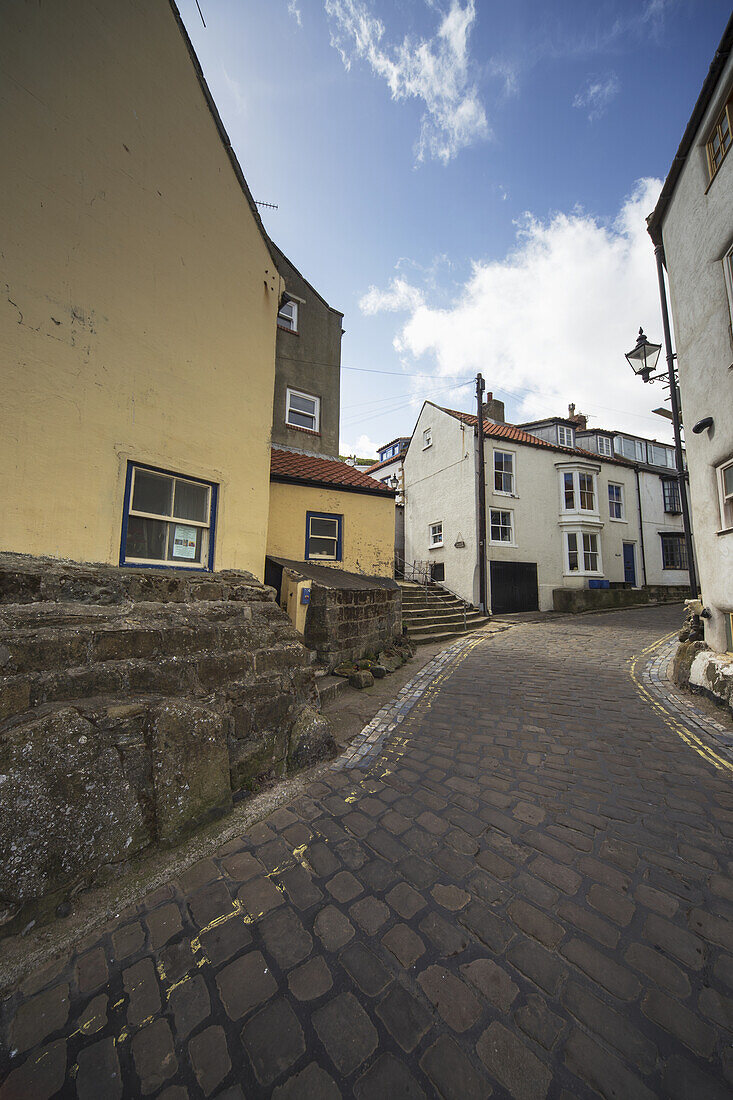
308,361
693,221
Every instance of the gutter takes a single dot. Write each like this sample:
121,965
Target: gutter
656,218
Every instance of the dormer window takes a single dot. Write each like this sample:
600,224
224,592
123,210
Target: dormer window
604,445
287,316
565,436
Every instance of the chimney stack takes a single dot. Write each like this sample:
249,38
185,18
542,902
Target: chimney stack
493,409
579,419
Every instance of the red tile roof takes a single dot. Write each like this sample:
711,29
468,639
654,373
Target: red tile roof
386,462
310,469
518,435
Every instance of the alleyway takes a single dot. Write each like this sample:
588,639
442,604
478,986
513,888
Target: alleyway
526,891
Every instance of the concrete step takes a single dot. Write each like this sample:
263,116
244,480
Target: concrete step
423,637
447,621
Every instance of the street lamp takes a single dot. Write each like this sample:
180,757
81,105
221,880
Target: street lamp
643,358
643,361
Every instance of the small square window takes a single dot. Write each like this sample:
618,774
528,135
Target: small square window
565,436
167,520
287,316
502,529
427,438
323,536
302,410
435,534
674,552
615,501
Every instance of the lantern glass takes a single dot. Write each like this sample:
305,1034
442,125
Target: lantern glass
643,358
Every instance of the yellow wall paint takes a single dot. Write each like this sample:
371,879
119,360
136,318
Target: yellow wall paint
139,315
368,526
291,601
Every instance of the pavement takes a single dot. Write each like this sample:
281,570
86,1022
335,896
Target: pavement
518,883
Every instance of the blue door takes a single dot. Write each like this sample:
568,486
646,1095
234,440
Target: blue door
629,564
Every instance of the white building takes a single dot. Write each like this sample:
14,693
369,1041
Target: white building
557,516
390,471
693,226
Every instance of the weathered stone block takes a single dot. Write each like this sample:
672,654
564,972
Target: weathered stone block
124,644
190,767
66,806
14,695
362,678
311,739
259,756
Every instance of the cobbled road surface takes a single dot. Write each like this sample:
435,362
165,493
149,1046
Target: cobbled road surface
526,891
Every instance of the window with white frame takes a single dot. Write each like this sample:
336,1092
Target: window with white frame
504,472
168,520
323,536
674,551
565,436
501,525
435,534
302,410
615,501
604,445
583,555
578,491
725,494
427,438
728,272
287,316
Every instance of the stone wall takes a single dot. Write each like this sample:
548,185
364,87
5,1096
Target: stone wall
699,669
599,599
133,704
344,624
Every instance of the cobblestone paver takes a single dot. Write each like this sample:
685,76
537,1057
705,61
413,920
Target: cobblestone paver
522,889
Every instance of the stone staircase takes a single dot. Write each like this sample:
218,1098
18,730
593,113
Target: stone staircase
133,705
430,614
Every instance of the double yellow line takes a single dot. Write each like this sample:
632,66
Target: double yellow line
689,738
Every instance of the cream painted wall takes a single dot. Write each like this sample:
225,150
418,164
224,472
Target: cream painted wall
698,231
656,522
138,317
440,486
367,530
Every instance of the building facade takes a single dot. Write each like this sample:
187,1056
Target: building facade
557,517
138,327
692,225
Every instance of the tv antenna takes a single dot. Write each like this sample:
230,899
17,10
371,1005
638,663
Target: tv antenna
271,205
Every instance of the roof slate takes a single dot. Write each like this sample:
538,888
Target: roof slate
292,466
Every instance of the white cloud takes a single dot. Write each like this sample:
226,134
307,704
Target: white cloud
363,447
237,93
597,94
435,70
294,10
549,323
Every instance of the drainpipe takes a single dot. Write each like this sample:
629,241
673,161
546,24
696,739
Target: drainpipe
480,387
676,422
641,524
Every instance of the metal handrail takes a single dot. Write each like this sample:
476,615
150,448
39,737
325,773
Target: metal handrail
441,584
419,572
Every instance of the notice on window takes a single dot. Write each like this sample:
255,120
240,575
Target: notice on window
184,541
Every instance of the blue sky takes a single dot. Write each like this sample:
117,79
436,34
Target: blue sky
466,180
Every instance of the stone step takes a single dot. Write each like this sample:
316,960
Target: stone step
429,621
198,675
330,687
423,637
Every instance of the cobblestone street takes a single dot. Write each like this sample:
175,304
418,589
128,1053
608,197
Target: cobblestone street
518,883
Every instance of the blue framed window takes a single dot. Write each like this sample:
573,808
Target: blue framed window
323,536
168,520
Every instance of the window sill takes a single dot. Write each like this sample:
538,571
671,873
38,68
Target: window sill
298,428
614,519
725,531
501,493
292,331
508,545
436,546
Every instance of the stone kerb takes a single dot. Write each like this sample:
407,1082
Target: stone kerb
132,706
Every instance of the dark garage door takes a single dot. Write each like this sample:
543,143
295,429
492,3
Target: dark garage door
514,586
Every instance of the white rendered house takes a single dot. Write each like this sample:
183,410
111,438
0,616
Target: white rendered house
557,516
692,225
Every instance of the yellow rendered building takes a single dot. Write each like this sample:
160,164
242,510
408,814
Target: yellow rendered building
138,316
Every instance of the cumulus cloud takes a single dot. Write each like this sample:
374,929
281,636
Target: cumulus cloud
597,94
551,321
362,447
436,71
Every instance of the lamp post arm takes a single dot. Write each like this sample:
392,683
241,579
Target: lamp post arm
676,422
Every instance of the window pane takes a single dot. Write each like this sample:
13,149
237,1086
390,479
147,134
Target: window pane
325,548
191,501
146,538
328,528
152,493
185,543
303,404
301,420
569,493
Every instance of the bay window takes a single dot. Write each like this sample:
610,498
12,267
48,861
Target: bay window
582,552
578,491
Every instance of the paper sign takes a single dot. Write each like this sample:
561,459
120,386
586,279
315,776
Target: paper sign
184,542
